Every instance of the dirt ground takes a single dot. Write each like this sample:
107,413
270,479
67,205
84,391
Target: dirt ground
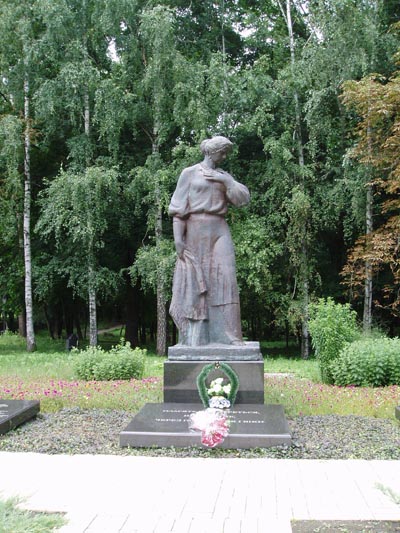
345,526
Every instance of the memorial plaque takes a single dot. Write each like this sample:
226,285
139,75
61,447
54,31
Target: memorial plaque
15,412
180,380
167,424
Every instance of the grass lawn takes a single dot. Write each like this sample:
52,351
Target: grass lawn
48,375
16,520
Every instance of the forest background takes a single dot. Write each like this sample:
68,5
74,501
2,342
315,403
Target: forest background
104,102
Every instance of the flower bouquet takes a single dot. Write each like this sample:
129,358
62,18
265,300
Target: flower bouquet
218,394
212,423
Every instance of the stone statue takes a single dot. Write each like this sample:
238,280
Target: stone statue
205,301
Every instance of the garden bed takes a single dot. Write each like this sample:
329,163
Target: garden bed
96,431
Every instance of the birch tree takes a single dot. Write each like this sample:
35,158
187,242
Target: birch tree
77,58
19,36
76,210
157,29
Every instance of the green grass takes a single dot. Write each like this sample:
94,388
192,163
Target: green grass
301,396
299,367
48,375
16,520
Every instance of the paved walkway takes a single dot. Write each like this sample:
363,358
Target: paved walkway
110,494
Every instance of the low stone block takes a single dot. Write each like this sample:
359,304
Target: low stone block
248,351
397,412
251,426
15,412
180,380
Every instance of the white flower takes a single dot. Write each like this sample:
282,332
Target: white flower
215,388
227,389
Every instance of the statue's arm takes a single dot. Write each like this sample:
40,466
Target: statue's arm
237,193
179,227
179,205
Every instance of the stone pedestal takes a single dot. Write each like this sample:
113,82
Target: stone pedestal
251,423
180,380
186,362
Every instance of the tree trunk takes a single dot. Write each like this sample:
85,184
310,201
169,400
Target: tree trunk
92,311
48,321
132,314
161,321
22,324
161,297
92,288
367,313
77,320
303,274
30,334
305,334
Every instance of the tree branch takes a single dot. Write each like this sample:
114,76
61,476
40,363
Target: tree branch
282,10
6,99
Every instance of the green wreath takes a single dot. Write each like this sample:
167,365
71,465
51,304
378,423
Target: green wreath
229,373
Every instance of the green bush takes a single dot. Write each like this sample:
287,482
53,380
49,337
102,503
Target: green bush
368,362
331,326
121,362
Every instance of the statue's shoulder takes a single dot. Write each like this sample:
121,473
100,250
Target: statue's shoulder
190,171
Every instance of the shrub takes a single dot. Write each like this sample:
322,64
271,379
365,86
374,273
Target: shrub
331,326
121,362
368,362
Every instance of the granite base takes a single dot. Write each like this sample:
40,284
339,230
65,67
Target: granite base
180,380
248,351
166,424
15,412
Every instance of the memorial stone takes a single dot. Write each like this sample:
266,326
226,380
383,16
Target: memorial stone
250,426
13,413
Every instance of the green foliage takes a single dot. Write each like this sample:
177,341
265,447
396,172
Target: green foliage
256,251
114,81
10,341
331,326
121,362
368,362
154,263
77,209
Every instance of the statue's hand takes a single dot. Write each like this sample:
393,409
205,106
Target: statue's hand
180,248
224,177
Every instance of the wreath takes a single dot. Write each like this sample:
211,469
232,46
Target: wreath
229,373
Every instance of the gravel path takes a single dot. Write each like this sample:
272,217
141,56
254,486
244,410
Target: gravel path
77,431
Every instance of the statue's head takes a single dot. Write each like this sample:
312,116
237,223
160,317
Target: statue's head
216,144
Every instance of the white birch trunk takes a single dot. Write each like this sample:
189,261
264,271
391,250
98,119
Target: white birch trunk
91,262
30,333
92,307
303,281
